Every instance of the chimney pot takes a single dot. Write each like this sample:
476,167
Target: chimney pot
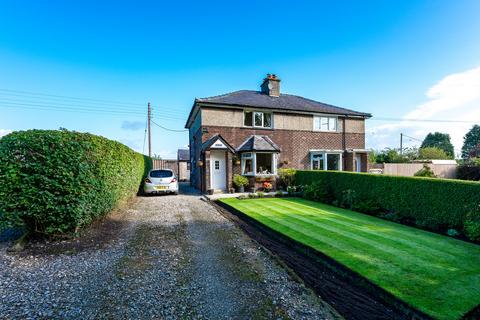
271,85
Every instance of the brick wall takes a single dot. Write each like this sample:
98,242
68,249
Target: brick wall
294,145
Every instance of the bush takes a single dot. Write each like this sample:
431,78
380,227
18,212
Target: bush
240,181
426,171
317,192
286,177
468,172
441,204
260,194
54,182
472,230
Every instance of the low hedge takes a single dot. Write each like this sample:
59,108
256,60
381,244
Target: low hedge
435,204
54,182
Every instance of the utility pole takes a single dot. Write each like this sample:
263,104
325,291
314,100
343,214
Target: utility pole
149,131
401,143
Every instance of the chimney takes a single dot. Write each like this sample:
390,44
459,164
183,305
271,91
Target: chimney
271,85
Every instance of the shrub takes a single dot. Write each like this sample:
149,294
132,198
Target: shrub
426,171
468,172
260,194
54,182
279,194
240,181
286,176
429,153
368,206
441,204
317,191
472,230
252,195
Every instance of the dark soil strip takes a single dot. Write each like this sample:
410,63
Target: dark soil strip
353,296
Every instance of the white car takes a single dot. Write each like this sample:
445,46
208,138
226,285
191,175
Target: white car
161,181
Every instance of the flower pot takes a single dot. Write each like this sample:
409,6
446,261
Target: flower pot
241,189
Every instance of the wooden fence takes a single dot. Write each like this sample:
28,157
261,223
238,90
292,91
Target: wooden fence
448,171
166,164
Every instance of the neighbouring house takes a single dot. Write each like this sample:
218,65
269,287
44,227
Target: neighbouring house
183,159
253,133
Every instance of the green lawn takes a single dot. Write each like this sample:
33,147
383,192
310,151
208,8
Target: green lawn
435,274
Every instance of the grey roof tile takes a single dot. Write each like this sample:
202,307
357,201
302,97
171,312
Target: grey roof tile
258,143
285,102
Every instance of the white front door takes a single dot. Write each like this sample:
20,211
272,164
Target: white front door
218,176
358,163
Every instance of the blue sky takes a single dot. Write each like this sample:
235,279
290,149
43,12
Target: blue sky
395,59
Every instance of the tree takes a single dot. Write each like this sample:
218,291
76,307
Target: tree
393,155
441,141
470,141
430,153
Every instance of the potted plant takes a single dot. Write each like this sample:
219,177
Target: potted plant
240,182
267,186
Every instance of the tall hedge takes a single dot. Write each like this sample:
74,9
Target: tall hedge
54,182
436,204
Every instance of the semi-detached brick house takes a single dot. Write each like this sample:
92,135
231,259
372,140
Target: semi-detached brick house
254,133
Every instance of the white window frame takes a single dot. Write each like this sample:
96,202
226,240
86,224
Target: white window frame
325,159
319,118
244,157
253,119
253,157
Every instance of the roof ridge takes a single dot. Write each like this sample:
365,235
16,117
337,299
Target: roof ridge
221,95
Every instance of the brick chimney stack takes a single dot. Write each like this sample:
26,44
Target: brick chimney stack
271,85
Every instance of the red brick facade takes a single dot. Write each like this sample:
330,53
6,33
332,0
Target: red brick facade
295,149
294,145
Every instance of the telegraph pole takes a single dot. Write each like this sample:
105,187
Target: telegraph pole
401,143
149,131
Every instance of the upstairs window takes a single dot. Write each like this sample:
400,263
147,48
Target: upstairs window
325,123
257,119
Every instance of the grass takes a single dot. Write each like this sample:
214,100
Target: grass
436,274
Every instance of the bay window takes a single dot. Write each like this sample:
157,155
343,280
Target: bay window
258,163
257,119
321,123
324,160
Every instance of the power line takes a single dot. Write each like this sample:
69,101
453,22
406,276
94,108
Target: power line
68,97
21,106
422,120
48,97
164,128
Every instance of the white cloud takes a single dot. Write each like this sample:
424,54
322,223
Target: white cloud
4,132
456,97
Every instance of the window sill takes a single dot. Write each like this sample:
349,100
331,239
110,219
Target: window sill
256,128
333,131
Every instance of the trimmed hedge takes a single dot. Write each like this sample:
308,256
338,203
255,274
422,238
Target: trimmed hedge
435,204
54,182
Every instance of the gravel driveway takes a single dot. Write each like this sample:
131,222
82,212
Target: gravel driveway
163,257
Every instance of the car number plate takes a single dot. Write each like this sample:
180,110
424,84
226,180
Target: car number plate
160,187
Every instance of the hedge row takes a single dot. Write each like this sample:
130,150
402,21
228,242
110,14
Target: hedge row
435,204
54,182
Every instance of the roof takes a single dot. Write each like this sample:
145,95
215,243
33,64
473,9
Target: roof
183,154
213,139
257,99
258,143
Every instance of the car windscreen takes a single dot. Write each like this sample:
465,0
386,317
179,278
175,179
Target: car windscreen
161,174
